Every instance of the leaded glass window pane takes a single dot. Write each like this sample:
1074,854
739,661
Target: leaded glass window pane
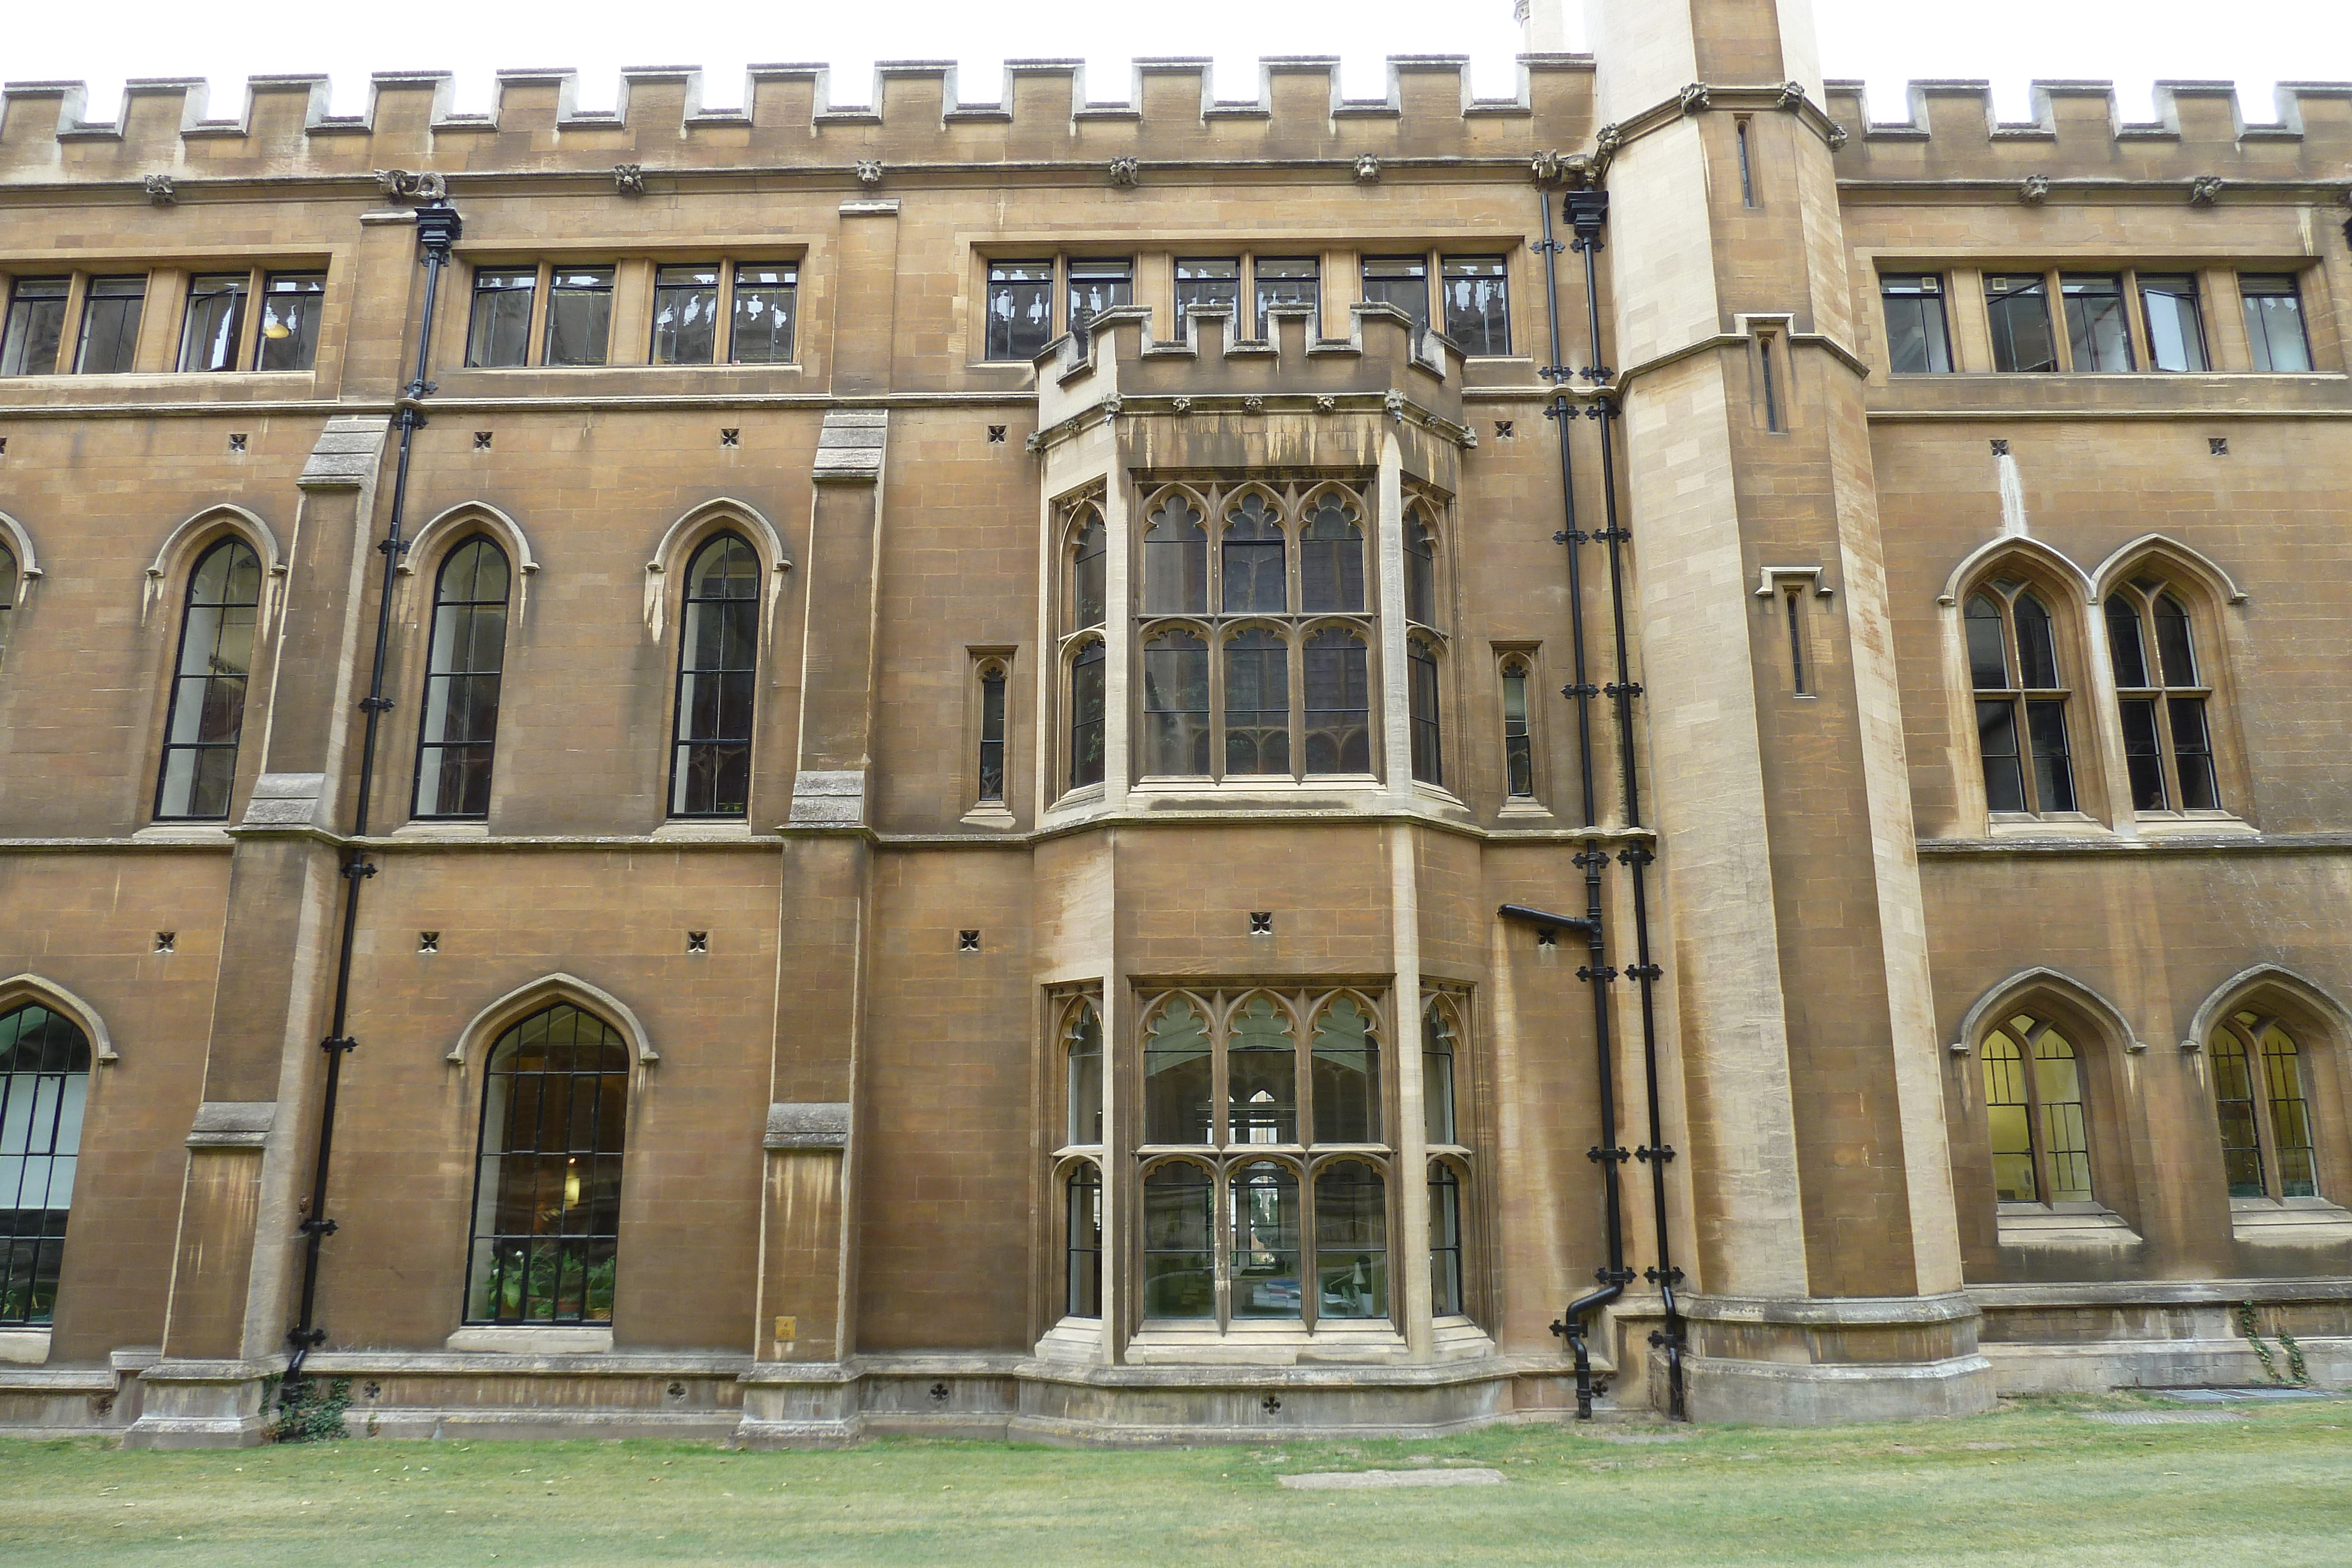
2143,754
1254,568
1347,1060
1351,1219
2290,1114
1339,704
1177,1107
992,734
1261,1076
1175,558
2011,1118
463,669
2124,643
547,1200
1987,646
1518,748
718,678
1445,1241
1997,743
2053,767
2234,1095
1086,717
208,717
2058,1085
1257,704
1331,558
1089,594
2192,754
2037,645
1265,1223
1420,671
1176,704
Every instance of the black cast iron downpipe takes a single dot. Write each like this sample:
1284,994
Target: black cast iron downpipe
1588,212
437,227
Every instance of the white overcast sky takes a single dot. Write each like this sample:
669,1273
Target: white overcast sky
1886,42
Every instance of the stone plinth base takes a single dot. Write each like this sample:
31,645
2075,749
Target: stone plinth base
203,1405
1820,1362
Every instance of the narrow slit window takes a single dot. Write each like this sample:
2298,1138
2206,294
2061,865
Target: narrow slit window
464,665
1519,746
1747,169
208,717
1771,387
991,733
1089,591
718,678
1445,1241
1087,716
1428,752
1790,602
1439,1121
1083,1259
9,581
1082,1042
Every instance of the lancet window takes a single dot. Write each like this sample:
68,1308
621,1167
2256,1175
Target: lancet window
2034,1108
2163,696
216,660
2258,1085
44,1084
2022,688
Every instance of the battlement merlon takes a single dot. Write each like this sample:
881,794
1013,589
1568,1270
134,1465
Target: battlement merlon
914,115
2076,132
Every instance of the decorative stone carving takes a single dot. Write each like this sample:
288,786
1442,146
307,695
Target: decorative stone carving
1792,95
1367,168
1693,97
421,186
1123,170
1838,137
1326,403
1253,406
1573,170
1394,403
2205,190
160,191
869,172
629,179
1607,140
1035,443
2035,191
1112,406
1181,404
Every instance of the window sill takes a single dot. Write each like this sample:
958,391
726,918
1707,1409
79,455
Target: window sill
2199,824
692,830
2289,1222
23,1347
428,829
533,1340
1243,786
2064,1227
991,814
2049,825
1520,807
1282,1341
184,833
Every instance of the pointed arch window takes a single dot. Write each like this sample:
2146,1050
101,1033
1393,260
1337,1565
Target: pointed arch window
1518,744
462,672
1176,704
1083,1053
547,1190
1253,567
1421,672
1347,1086
218,623
990,783
1331,557
717,666
8,581
1175,558
1082,1262
2266,1142
1261,1076
2163,696
2020,700
2034,1102
43,1088
1440,1122
1177,1074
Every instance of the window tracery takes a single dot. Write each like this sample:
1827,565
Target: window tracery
2021,692
2265,1112
2034,1106
2163,695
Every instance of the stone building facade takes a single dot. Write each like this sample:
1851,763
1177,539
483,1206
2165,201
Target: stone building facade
910,836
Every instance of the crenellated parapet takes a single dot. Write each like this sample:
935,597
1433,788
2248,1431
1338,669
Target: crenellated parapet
2200,133
915,116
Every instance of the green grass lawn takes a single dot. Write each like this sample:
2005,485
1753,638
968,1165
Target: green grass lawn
2035,1483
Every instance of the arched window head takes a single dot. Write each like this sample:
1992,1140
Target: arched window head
1082,1271
1264,1222
2020,700
2266,1142
1255,577
1089,591
1179,1275
2033,1102
1347,1083
992,732
44,1087
1437,1042
216,660
1082,1045
1351,1235
1518,745
1339,704
718,681
2163,697
1176,704
1087,716
1261,1075
1445,1294
1331,557
1175,558
1420,670
8,594
462,667
1257,703
1177,1108
1419,570
547,1195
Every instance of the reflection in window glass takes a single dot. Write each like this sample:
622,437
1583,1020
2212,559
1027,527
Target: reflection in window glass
1087,716
1179,1234
1098,284
43,1088
1351,1221
1420,571
1346,1083
1477,304
1083,1040
767,299
1445,1241
1082,1263
579,314
2017,308
717,660
461,683
1176,1104
1264,1225
1420,672
109,326
1257,703
1090,591
1176,704
1261,1076
547,1200
1331,558
200,739
216,320
1918,338
1339,704
1175,558
290,303
1020,310
2175,329
2096,328
1253,565
1518,748
1437,1076
991,733
499,331
1296,281
1210,282
1402,282
686,315
36,324
2274,322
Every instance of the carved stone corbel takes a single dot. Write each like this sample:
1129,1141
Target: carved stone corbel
2205,190
1367,168
1123,170
1792,96
2034,190
1693,97
629,179
160,193
869,172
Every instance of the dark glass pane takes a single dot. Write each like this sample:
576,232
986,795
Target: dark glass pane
2290,1114
1402,282
1257,704
1090,594
766,307
1997,743
1253,563
290,320
1177,1108
2095,322
2018,309
2176,330
716,681
1096,285
579,316
216,320
686,315
1020,310
992,737
1339,735
1331,558
461,683
1351,1227
1083,1044
1420,668
2124,643
1176,704
2274,322
2234,1095
500,333
1987,647
1082,1268
2192,753
36,324
1445,1242
109,326
2054,770
2172,642
1420,572
207,716
1086,717
1214,281
1179,1233
1265,1259
1918,340
1437,1077
1287,282
1346,1083
2037,645
1261,1077
1477,304
2010,1119
1518,748
1175,558
2143,754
